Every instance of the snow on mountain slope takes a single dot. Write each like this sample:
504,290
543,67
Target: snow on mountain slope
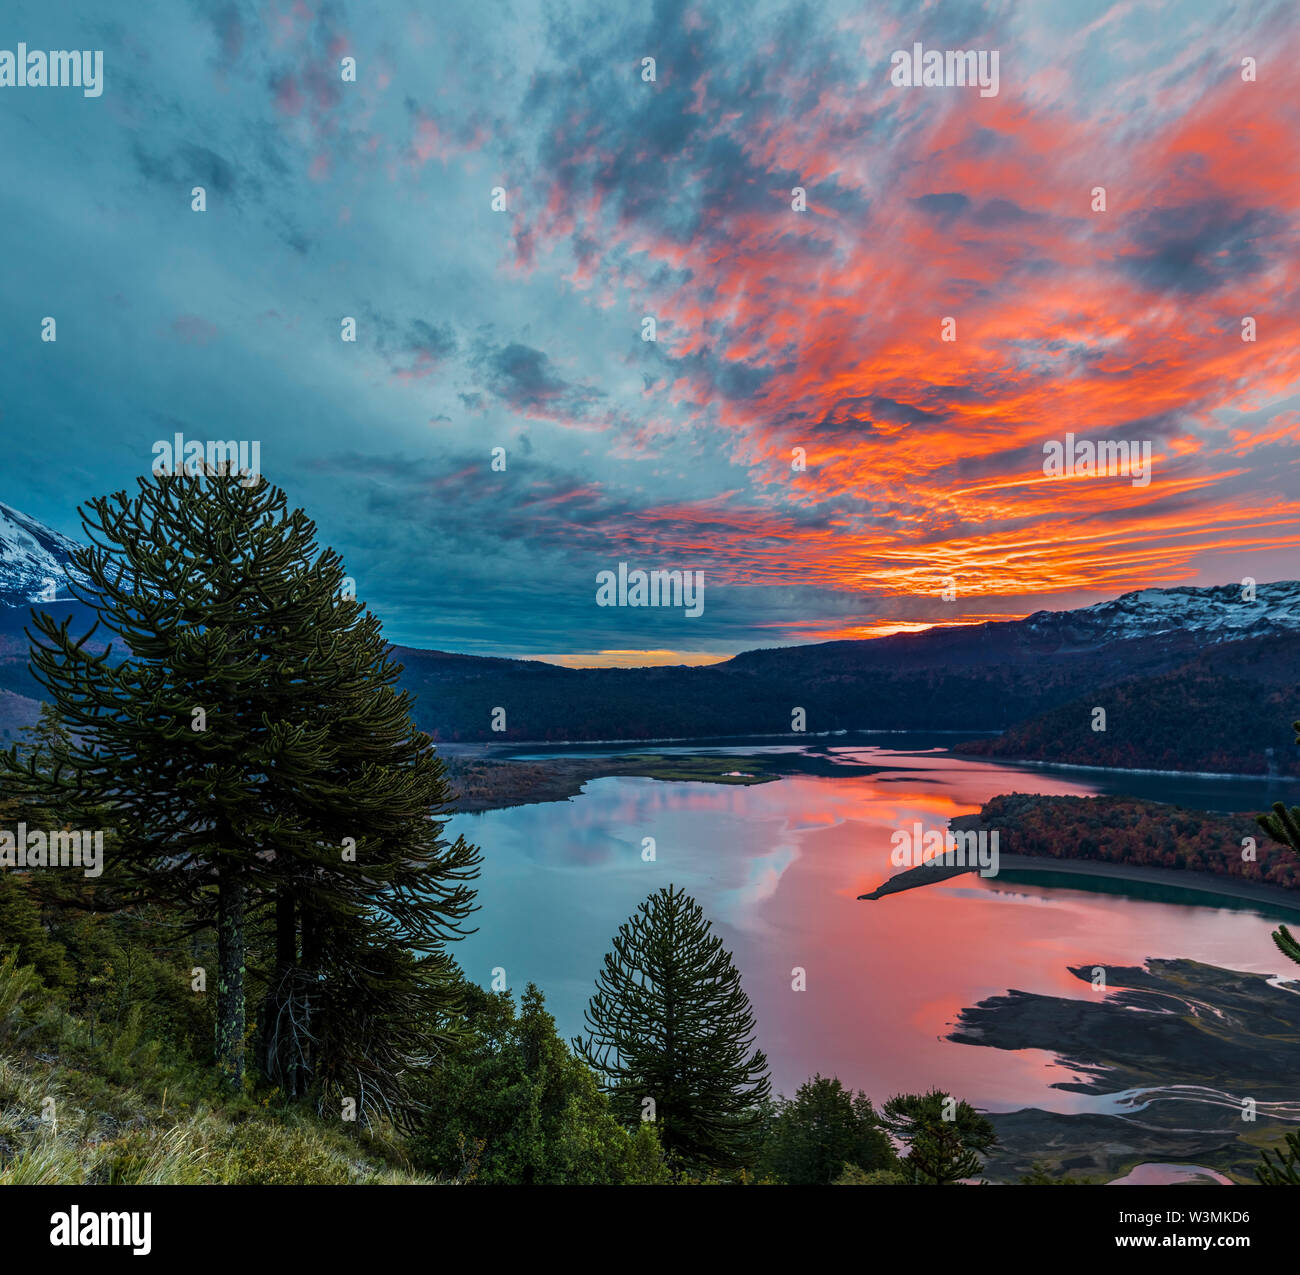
33,561
1219,613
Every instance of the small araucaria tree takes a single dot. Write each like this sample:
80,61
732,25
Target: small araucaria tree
945,1138
1283,825
261,770
671,1035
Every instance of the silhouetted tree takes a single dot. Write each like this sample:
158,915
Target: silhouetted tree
671,1032
258,762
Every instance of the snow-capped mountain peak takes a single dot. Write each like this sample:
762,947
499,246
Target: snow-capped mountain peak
1221,613
34,561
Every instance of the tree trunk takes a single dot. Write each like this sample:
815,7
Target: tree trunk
311,958
230,974
286,1069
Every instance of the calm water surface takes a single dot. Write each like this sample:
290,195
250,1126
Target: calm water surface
778,868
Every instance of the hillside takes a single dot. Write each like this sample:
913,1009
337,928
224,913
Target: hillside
87,1104
1170,706
35,562
1228,711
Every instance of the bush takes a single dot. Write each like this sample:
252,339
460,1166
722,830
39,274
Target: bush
260,1154
822,1130
853,1176
513,1105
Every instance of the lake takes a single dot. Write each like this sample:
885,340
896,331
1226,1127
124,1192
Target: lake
778,867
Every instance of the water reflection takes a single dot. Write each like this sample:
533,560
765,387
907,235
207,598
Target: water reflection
779,866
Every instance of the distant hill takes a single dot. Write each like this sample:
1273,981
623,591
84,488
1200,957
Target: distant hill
1136,833
35,566
1174,699
1227,711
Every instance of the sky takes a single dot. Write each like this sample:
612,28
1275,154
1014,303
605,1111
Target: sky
800,431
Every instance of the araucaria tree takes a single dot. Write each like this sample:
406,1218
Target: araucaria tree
671,1036
1283,825
945,1139
264,776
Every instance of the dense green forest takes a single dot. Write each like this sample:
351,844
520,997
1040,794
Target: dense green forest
1193,719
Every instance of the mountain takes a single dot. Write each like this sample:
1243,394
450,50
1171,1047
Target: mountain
1193,679
35,562
1217,615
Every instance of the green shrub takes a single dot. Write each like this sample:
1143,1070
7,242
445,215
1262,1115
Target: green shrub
854,1176
260,1154
513,1105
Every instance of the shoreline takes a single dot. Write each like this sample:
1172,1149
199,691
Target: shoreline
1206,883
1135,770
1200,882
504,751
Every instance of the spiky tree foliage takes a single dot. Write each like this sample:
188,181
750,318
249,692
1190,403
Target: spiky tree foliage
1281,1167
945,1139
1283,825
259,765
670,1023
377,879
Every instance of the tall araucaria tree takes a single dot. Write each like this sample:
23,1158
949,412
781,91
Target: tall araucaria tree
671,1026
246,735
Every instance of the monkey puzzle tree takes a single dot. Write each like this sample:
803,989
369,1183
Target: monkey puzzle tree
945,1138
1280,1166
671,1032
1283,825
348,1003
255,756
